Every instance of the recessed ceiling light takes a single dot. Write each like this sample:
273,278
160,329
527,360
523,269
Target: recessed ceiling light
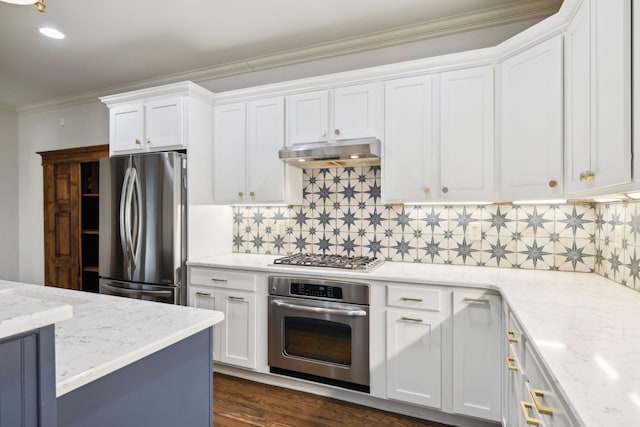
51,32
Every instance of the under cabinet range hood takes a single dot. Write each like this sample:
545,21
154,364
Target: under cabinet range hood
347,152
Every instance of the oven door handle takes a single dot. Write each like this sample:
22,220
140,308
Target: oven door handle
320,310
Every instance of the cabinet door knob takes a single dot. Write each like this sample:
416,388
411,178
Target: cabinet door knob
553,183
252,194
240,194
138,142
445,190
148,141
324,134
427,190
337,131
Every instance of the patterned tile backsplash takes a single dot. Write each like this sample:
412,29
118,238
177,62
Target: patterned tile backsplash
342,214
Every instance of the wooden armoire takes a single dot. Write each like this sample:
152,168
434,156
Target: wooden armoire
71,216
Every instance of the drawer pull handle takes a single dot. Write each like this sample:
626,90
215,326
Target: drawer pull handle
236,298
535,394
203,294
511,335
526,406
476,300
412,299
511,363
412,319
218,280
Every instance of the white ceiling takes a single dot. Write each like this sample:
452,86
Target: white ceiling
110,43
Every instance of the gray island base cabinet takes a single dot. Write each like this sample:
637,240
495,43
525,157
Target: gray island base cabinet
27,379
171,387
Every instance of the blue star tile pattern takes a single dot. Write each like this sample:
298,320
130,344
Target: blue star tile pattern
402,249
342,213
324,244
435,219
373,247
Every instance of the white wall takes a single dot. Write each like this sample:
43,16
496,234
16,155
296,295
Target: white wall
87,124
9,195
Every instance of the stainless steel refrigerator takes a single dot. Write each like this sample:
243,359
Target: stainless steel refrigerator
143,226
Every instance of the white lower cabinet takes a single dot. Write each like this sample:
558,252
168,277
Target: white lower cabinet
530,397
414,347
414,344
233,294
477,350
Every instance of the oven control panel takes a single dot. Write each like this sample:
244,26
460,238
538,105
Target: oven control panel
314,290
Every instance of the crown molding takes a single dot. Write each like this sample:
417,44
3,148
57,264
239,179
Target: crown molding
516,12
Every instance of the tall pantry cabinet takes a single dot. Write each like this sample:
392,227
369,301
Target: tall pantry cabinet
71,200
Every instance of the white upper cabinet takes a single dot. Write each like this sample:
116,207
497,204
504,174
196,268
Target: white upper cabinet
531,123
356,111
443,153
329,115
466,135
229,153
156,119
409,166
308,117
246,167
598,96
268,178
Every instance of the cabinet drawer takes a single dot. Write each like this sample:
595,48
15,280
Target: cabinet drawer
514,337
548,406
414,297
223,279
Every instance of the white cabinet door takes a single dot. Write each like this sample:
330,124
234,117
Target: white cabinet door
477,351
578,97
229,153
238,345
409,153
308,117
598,87
466,135
164,119
611,156
265,136
414,357
355,111
126,133
531,123
208,299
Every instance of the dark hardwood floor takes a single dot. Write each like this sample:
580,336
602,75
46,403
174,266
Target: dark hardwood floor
238,403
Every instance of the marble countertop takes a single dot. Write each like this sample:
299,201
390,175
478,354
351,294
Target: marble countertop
19,313
105,332
586,328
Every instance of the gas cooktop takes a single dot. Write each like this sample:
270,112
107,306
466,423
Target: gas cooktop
359,263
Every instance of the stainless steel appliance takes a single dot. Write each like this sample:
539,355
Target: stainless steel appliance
319,330
361,263
341,153
143,226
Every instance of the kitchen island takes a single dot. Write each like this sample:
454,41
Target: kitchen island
582,327
122,361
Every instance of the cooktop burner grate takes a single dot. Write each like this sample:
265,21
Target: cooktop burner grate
361,263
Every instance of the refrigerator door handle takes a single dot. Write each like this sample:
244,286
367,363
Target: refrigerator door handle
123,214
137,226
117,290
127,216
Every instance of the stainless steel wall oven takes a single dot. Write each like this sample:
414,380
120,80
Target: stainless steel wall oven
319,330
